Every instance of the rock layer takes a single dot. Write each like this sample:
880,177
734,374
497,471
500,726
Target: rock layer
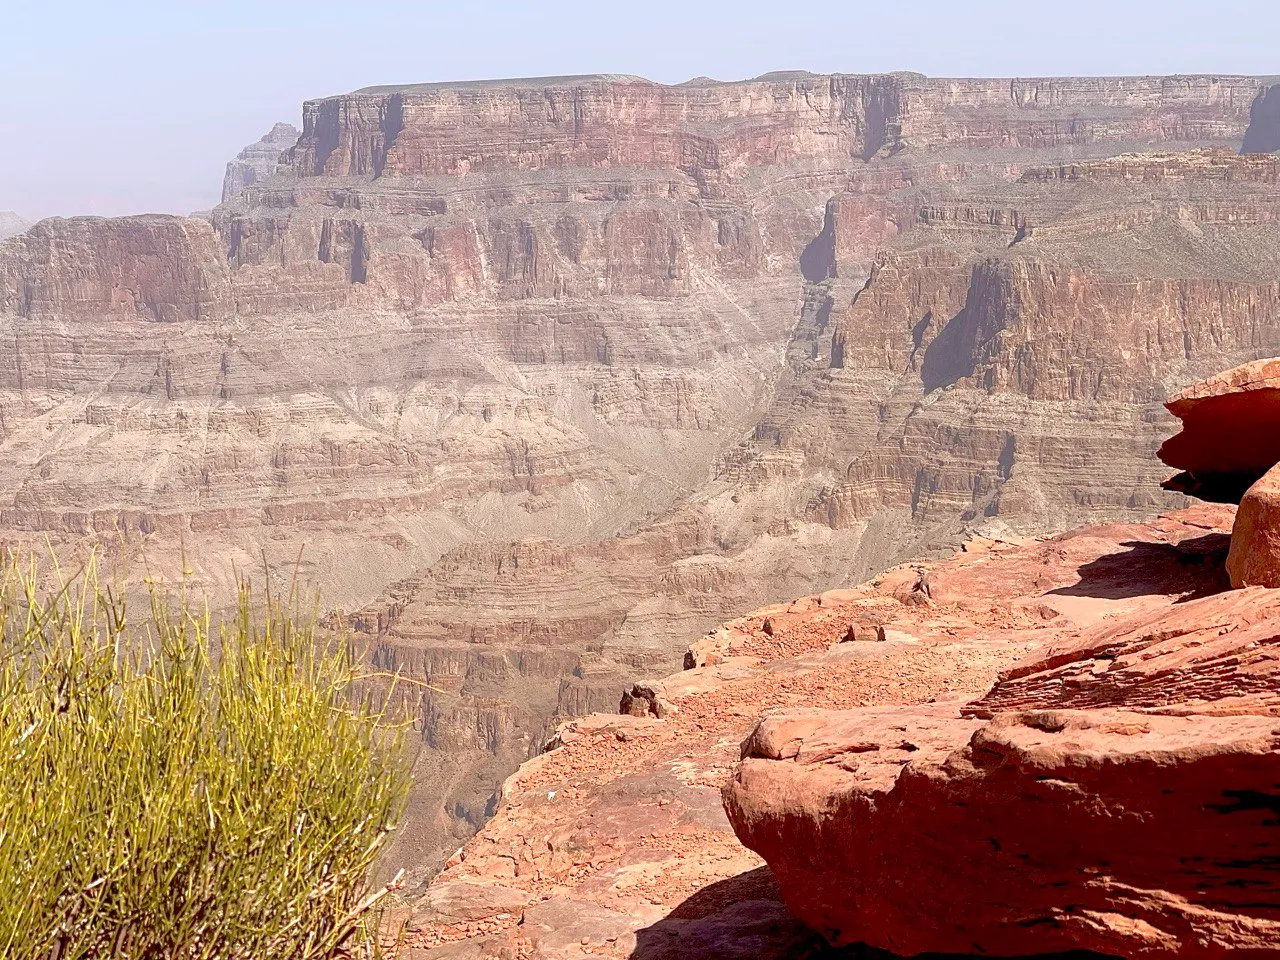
582,366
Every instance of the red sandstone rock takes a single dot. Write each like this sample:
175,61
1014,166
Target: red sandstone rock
1115,791
1111,830
615,837
1214,654
1228,450
1254,559
1230,431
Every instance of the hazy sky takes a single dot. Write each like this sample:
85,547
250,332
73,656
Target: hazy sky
112,106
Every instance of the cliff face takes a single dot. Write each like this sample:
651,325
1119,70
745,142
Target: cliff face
151,268
1263,135
707,132
539,378
258,161
712,131
1084,289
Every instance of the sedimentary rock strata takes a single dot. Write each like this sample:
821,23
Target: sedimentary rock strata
88,269
679,350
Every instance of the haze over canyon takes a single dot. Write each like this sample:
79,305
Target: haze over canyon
541,379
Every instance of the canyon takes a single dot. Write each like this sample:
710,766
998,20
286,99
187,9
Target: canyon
533,381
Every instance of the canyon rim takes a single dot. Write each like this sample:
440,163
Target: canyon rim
543,379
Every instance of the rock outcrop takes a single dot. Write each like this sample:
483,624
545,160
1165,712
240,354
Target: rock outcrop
1124,832
1228,450
1059,744
581,367
258,161
1254,559
1115,791
1230,432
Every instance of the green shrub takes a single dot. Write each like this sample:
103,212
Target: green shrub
173,791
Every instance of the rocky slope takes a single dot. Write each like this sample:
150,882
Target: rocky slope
880,701
540,378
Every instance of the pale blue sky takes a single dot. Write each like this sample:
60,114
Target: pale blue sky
119,106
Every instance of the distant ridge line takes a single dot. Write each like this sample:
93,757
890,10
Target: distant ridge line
773,76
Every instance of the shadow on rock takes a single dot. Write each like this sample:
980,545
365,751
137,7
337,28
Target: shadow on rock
818,259
1263,135
1194,567
743,918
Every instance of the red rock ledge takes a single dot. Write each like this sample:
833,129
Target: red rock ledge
1115,791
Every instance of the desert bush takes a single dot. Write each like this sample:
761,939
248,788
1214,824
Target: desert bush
170,789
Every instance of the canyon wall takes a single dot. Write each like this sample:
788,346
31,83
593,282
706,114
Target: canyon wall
258,160
535,380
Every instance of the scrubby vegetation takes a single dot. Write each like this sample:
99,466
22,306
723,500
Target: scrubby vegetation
172,790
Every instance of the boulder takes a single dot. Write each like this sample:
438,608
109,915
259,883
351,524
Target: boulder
1227,450
1113,831
1254,559
460,901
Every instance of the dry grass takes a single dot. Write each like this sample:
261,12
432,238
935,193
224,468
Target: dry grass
172,791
